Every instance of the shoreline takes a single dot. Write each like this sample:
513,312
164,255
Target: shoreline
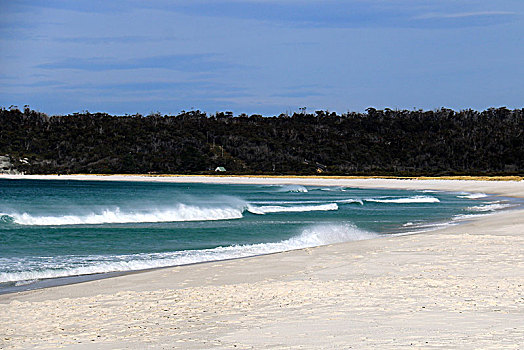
253,176
351,181
362,182
78,279
510,187
302,272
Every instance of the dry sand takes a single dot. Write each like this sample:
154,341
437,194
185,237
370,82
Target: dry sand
461,287
507,188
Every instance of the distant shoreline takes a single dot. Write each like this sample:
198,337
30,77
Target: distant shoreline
461,177
505,186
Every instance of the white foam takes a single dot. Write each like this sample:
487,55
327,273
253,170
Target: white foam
341,201
424,226
72,266
24,282
333,189
462,217
490,206
289,202
421,228
472,195
293,188
180,212
414,199
293,209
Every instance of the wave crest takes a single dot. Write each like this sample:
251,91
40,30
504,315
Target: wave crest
490,207
293,188
414,199
181,212
294,209
472,195
6,219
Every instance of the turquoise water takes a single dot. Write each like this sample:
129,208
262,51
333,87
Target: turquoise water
52,229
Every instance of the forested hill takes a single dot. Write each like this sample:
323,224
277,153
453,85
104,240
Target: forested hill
379,142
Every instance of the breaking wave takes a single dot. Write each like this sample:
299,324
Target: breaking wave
482,210
293,188
333,189
490,207
6,218
414,199
63,266
464,217
184,212
294,209
180,212
472,195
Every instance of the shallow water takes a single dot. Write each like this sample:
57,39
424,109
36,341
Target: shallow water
52,229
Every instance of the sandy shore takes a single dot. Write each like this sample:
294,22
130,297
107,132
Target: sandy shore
505,188
462,287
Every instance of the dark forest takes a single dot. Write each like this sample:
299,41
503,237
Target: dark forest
378,142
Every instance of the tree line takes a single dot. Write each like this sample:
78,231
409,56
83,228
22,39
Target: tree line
378,142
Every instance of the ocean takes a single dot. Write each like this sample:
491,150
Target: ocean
52,230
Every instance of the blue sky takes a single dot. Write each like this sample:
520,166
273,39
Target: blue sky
260,56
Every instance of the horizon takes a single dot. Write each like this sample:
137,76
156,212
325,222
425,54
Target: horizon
300,111
260,57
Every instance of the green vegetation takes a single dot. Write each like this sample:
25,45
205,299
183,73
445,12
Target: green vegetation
379,142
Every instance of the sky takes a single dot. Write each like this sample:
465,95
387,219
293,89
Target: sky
260,56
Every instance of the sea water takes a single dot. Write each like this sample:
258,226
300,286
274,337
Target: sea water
54,229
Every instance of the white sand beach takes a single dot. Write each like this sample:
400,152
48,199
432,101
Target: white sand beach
458,287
